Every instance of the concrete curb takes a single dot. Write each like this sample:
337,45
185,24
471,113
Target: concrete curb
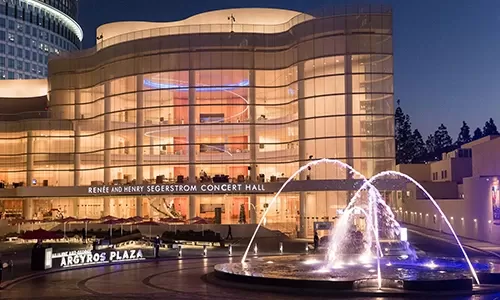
6,284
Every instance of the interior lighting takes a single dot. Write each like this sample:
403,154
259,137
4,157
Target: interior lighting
184,88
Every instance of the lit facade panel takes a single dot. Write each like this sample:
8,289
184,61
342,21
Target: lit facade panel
179,107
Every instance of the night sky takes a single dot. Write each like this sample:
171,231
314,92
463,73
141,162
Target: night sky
447,65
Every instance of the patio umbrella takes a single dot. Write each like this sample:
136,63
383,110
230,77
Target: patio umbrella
108,217
66,220
148,223
17,222
195,219
40,234
111,222
86,221
137,219
131,222
171,220
121,222
201,222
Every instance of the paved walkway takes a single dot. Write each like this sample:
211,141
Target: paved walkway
490,248
22,260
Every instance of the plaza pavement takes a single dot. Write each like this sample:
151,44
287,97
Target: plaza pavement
490,248
430,240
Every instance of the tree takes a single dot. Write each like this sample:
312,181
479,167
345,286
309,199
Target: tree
243,218
464,135
419,149
442,139
490,128
431,147
477,134
404,151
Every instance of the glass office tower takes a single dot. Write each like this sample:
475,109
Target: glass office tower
31,31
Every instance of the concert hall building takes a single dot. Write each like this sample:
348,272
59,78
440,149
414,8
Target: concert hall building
214,111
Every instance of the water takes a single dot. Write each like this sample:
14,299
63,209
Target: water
300,170
348,248
369,184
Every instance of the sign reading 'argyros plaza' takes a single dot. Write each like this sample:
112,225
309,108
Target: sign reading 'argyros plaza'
88,257
177,188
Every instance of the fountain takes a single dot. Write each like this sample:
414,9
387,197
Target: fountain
370,259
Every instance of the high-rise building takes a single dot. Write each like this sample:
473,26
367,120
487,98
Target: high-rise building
31,31
210,115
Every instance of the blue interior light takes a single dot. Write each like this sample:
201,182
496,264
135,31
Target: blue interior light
185,88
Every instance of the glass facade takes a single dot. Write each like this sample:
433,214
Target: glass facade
31,31
210,103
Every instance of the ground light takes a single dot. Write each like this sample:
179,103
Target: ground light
230,252
281,247
179,251
403,234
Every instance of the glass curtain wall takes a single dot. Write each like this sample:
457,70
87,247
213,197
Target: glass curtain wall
244,106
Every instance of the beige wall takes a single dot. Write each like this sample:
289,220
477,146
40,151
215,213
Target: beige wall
484,162
440,166
475,209
419,172
457,168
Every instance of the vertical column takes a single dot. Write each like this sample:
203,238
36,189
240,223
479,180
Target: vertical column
253,141
28,203
140,131
348,109
28,208
29,158
77,150
138,207
107,206
107,133
77,166
192,139
139,139
302,147
77,141
151,153
348,119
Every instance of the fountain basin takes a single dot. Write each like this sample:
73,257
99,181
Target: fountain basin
310,272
